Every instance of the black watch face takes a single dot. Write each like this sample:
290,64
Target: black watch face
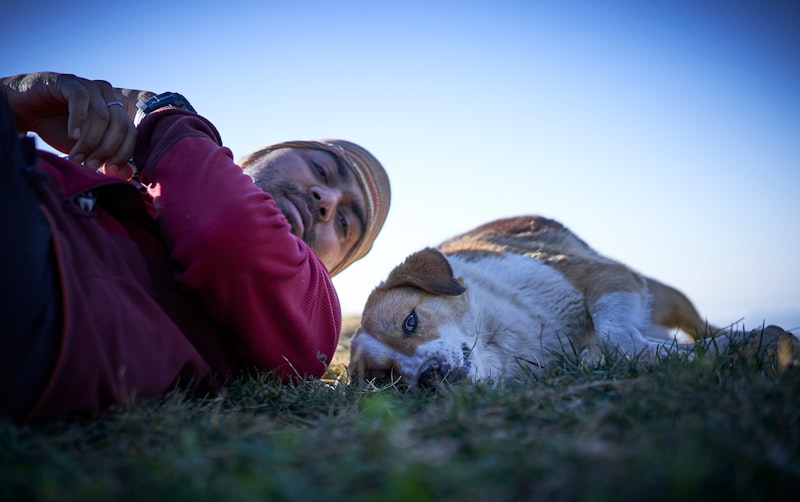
168,99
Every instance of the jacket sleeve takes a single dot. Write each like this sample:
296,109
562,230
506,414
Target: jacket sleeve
232,245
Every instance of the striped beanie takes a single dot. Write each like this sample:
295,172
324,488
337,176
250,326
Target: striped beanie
372,179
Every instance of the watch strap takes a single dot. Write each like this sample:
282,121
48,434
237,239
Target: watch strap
163,100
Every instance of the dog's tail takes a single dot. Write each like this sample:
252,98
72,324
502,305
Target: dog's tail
672,309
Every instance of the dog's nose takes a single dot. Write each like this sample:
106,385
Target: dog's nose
431,376
378,375
438,372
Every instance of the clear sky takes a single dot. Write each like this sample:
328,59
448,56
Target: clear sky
665,133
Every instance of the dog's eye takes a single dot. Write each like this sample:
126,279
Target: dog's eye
410,324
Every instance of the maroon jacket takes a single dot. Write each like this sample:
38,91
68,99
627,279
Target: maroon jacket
185,284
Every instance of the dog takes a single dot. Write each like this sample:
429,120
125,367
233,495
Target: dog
509,297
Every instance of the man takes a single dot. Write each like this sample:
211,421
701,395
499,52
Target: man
116,289
356,211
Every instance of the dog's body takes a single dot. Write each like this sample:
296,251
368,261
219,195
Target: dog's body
507,297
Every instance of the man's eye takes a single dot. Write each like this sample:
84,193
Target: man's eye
410,324
320,170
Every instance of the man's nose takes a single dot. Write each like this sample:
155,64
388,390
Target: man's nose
325,199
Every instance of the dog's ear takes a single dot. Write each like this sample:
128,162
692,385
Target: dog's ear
427,270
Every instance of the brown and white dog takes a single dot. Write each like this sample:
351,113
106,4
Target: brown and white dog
506,298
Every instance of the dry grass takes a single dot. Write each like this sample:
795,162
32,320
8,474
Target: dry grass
338,367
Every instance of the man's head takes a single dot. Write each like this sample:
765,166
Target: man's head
334,194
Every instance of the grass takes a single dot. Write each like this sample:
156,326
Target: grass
718,426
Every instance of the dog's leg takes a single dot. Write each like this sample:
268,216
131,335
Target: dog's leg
619,305
771,339
672,309
619,318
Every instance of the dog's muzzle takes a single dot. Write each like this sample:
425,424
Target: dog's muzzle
438,371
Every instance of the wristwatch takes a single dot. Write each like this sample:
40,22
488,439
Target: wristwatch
163,100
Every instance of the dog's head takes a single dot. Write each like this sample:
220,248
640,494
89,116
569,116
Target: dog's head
411,326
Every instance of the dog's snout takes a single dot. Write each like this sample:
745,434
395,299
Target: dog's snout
438,372
378,375
432,375
361,370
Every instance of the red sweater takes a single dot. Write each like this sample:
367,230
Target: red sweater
185,285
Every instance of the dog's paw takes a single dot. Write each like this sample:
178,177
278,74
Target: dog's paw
785,345
628,342
775,342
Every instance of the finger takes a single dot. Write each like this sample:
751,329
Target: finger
126,171
124,149
77,94
120,136
42,103
94,130
118,139
117,147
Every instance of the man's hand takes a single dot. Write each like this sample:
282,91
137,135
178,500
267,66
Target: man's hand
80,117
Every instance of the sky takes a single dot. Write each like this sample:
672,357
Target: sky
666,134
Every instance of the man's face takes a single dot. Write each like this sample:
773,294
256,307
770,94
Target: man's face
320,198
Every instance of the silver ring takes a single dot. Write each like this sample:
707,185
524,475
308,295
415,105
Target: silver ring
115,102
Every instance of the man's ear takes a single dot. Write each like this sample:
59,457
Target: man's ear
427,270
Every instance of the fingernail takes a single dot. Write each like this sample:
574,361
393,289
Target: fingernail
92,164
76,133
78,158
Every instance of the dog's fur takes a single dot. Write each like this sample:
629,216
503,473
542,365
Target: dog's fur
509,297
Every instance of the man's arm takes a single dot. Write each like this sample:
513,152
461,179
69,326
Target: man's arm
234,247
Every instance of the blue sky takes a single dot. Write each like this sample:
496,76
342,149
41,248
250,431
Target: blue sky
666,134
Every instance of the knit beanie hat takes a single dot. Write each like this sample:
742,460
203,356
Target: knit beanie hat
372,179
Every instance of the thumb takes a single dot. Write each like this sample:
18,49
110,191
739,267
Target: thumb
125,171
